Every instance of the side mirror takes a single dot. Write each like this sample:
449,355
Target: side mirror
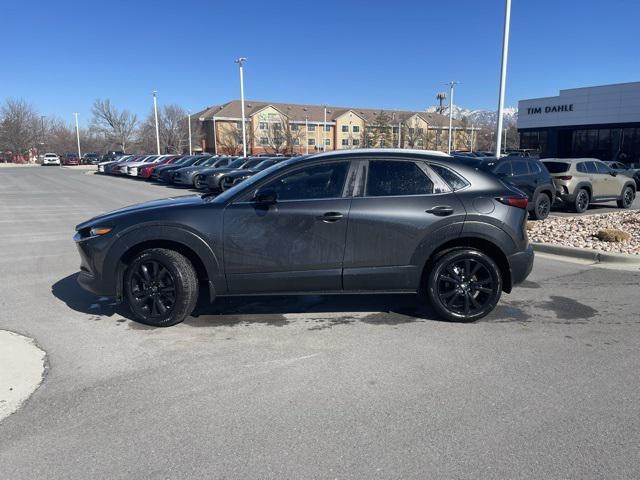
266,196
613,173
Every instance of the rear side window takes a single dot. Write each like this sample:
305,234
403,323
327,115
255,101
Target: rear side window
395,178
535,168
503,168
557,167
520,168
453,179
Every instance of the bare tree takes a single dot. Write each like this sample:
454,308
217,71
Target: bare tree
19,126
280,136
229,137
117,126
380,131
414,134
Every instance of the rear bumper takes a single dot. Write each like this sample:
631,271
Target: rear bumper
521,264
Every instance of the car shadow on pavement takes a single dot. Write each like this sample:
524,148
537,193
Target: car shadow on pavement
323,311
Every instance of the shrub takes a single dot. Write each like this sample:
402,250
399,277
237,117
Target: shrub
613,235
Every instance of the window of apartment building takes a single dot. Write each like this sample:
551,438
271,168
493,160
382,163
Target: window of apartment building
327,141
420,131
296,141
294,127
263,125
356,128
327,128
395,130
356,141
345,142
239,124
412,131
312,128
345,128
264,140
311,141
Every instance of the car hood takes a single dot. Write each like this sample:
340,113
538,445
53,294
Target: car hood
209,171
173,202
188,169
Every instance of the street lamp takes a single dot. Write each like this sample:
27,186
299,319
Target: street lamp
503,75
78,137
240,61
155,110
451,84
306,134
42,117
190,149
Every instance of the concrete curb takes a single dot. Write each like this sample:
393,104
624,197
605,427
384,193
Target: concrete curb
595,256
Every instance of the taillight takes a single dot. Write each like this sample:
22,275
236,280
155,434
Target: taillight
564,177
518,202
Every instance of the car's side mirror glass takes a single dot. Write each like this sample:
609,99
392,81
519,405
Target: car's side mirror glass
266,196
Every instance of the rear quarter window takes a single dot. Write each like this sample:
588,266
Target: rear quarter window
557,167
455,181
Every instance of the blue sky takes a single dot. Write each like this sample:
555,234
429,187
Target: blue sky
61,55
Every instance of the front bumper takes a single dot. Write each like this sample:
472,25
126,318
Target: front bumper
91,276
521,264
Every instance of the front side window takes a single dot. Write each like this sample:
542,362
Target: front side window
591,167
602,168
318,181
387,178
356,128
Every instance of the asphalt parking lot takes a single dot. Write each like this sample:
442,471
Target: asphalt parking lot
309,387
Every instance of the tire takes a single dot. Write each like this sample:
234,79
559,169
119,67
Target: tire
581,202
167,293
460,279
541,207
197,182
628,195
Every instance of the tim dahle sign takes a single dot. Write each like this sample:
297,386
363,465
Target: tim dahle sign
550,109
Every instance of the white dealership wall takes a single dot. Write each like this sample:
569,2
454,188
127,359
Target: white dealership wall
606,104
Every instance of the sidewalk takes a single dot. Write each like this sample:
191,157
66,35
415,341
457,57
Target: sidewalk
21,370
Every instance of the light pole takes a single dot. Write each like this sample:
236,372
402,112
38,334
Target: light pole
42,117
190,149
155,111
324,131
503,74
78,137
240,61
306,134
451,84
471,146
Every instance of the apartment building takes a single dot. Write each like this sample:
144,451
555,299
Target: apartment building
288,128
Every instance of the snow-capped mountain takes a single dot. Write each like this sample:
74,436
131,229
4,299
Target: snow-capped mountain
480,117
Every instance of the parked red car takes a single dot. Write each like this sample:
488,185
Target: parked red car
70,159
147,171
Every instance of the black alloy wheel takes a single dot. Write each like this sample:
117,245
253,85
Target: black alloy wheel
464,285
161,287
542,207
628,195
581,203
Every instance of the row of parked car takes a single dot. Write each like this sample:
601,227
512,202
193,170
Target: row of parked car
204,172
573,183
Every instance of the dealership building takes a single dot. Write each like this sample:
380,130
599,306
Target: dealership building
600,122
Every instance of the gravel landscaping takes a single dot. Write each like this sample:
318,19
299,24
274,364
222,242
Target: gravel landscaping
583,231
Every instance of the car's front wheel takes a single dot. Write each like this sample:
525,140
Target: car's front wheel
199,183
463,285
628,195
161,287
541,207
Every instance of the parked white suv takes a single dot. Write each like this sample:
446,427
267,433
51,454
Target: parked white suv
51,159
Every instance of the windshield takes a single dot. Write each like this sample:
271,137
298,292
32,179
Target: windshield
252,163
201,160
556,167
264,164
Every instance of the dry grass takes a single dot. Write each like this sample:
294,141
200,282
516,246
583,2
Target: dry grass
613,235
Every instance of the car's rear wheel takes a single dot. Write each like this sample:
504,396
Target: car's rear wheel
464,285
161,287
542,207
199,183
628,196
581,203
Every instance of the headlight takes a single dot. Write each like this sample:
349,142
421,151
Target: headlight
97,231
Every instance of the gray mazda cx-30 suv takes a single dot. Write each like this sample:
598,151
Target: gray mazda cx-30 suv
355,221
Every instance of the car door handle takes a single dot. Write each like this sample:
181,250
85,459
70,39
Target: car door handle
330,217
440,210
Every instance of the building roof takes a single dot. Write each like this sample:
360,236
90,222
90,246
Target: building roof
315,113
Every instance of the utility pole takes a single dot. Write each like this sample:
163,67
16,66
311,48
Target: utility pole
451,84
42,117
503,75
471,146
306,134
155,111
240,61
78,137
324,131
